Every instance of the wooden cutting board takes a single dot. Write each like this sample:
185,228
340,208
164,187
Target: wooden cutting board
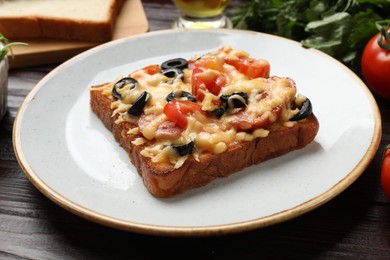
131,20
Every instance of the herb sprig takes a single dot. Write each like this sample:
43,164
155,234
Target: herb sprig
340,28
7,46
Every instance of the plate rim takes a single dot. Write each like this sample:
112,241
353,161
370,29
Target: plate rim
209,230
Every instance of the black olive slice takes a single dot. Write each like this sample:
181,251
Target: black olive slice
172,73
304,111
238,100
218,112
180,94
182,150
138,106
120,84
235,100
178,63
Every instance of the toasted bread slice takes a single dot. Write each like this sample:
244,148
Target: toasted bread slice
241,142
87,20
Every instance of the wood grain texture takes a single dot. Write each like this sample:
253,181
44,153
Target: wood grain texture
356,224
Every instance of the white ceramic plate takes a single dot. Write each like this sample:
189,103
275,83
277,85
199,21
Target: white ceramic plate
71,158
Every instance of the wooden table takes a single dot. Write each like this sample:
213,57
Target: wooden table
356,224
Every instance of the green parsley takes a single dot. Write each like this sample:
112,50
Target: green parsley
340,28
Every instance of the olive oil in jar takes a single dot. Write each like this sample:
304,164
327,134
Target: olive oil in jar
201,8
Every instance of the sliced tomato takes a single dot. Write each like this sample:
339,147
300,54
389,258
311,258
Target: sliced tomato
207,76
198,87
250,67
152,69
208,81
177,111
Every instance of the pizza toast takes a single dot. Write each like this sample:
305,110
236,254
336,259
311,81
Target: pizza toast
185,122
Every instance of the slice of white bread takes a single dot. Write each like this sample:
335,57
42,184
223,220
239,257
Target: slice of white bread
166,182
84,20
181,136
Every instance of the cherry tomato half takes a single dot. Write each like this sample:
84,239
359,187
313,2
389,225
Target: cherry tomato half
177,111
207,76
251,68
376,64
385,173
152,69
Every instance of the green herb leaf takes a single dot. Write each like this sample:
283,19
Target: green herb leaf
340,28
7,46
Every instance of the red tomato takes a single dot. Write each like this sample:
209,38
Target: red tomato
152,69
385,173
198,87
376,65
251,68
207,81
178,110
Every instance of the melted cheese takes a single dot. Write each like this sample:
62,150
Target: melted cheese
149,132
210,135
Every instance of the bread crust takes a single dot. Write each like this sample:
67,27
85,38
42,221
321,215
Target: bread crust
39,26
166,181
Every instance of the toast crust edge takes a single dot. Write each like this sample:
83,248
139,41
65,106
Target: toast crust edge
167,182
